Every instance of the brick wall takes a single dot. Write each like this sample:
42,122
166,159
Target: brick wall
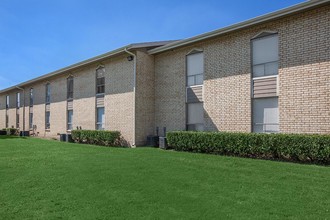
304,100
145,98
304,85
119,96
226,85
118,100
84,98
170,90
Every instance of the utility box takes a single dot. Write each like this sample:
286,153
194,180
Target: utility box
69,138
24,133
152,140
163,143
63,137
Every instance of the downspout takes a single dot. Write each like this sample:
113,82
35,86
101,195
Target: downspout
134,89
23,133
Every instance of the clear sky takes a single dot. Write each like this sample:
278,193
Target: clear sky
41,36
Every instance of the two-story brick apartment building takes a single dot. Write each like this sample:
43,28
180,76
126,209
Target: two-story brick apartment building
267,74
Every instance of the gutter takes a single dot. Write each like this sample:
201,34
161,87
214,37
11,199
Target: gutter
134,93
254,21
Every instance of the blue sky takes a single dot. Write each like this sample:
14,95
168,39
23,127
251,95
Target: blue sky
40,36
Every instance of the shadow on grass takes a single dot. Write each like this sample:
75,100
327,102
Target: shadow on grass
11,137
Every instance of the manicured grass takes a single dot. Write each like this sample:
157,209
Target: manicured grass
42,179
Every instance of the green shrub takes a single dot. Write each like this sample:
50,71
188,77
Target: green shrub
11,131
104,138
292,147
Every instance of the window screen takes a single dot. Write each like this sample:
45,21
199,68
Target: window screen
265,56
195,69
31,121
70,119
100,80
31,97
47,124
195,116
265,115
100,119
7,101
47,93
70,88
17,119
18,100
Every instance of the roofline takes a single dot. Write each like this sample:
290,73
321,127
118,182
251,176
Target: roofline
254,21
86,62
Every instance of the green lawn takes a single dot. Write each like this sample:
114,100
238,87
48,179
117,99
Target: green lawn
42,179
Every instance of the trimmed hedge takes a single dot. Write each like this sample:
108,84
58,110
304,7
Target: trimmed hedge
103,138
310,148
10,131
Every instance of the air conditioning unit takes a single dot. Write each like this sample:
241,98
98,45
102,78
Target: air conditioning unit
163,143
152,141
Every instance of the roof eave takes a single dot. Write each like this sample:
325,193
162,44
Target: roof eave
69,68
254,21
87,62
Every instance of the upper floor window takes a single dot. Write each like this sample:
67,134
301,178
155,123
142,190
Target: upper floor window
47,93
70,88
195,69
18,100
31,97
265,55
100,80
7,101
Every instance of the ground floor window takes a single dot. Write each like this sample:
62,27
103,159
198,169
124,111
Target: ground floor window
195,116
31,121
7,119
70,118
17,120
100,118
47,120
265,115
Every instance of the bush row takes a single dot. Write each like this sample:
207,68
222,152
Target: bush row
104,138
293,147
9,131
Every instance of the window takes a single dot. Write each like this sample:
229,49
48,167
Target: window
31,97
195,69
7,101
47,120
7,119
70,88
265,115
194,102
69,119
100,119
100,80
265,63
265,55
195,121
47,93
17,119
31,120
18,100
